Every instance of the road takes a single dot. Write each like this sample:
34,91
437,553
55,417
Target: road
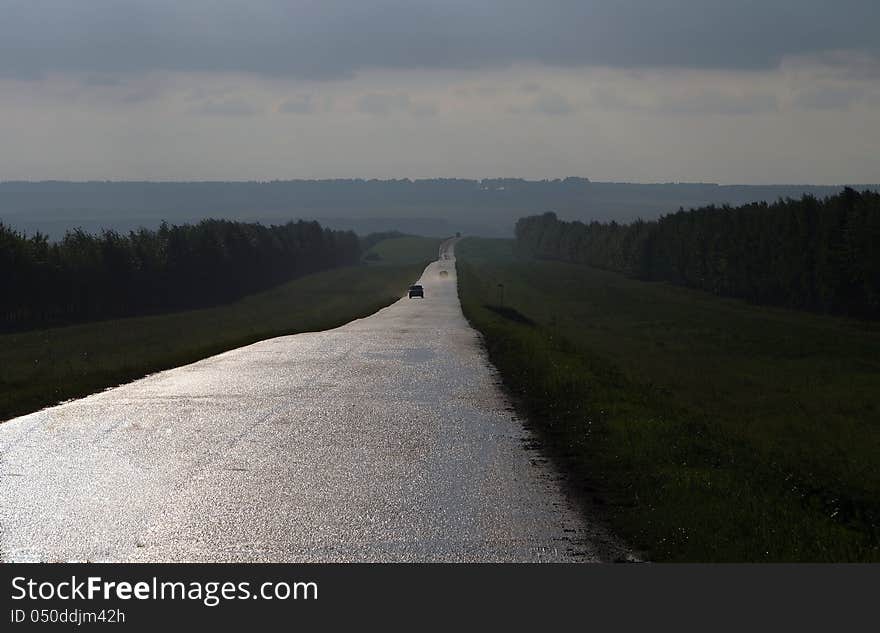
387,439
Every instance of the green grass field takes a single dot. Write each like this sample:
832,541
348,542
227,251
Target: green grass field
42,367
400,250
711,430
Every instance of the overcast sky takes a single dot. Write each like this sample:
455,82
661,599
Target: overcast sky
734,91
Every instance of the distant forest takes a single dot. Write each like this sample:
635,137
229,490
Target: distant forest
821,255
98,276
434,207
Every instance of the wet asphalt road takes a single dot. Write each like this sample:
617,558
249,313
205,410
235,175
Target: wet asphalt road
387,439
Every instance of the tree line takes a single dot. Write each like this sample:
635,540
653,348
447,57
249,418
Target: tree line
88,276
820,255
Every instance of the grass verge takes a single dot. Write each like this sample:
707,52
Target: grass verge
402,250
712,430
42,367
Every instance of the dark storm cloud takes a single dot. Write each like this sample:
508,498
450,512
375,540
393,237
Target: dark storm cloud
335,38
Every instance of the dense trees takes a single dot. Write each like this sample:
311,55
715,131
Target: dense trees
85,276
811,254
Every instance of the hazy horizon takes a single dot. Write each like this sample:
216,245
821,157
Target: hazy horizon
432,178
424,207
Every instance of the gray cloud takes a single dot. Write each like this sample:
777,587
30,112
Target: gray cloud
225,107
385,103
719,103
336,38
102,81
841,65
381,103
610,99
422,109
703,102
829,97
553,104
301,104
139,95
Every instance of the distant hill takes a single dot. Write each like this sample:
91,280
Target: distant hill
433,207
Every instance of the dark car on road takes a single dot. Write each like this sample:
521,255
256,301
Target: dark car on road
416,291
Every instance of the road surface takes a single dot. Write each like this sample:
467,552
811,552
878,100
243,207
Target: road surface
387,439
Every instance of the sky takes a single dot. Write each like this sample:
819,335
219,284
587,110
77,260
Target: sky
734,91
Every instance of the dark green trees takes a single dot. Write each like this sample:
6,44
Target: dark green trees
85,277
818,255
